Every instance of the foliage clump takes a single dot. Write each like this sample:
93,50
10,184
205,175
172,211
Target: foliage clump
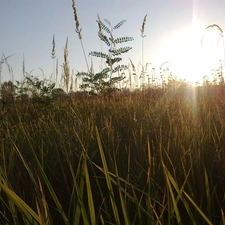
105,80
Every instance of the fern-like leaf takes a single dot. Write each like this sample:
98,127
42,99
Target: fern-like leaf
112,61
123,39
102,74
105,70
86,79
120,68
120,50
81,74
108,22
119,24
116,79
99,76
99,54
103,26
103,38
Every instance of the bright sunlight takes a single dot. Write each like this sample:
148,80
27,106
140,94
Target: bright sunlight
197,53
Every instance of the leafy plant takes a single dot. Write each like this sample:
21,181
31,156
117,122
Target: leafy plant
7,92
38,90
105,80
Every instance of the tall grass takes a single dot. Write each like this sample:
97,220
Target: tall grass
153,157
150,157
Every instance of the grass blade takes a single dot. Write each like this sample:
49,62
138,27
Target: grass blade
89,193
178,217
107,177
198,209
30,215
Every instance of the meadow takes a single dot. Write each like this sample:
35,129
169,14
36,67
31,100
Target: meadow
146,157
106,155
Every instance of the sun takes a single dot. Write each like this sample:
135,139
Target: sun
197,52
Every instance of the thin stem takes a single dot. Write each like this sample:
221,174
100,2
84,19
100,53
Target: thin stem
84,55
78,31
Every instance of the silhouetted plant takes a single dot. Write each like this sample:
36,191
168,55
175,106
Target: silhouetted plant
57,93
104,81
4,60
38,90
7,92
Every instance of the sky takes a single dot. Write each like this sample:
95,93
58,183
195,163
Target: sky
175,34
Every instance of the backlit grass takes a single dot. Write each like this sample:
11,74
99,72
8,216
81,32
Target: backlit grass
150,157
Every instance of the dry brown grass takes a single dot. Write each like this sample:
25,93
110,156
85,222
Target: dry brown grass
78,29
143,26
66,68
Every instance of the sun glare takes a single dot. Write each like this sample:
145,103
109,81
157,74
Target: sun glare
198,53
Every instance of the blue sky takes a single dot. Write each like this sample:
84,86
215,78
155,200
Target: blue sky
27,28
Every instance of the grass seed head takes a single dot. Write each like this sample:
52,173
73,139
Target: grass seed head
143,26
78,30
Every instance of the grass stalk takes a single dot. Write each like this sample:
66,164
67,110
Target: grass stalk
108,181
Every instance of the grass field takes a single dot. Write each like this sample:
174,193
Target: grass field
151,156
146,157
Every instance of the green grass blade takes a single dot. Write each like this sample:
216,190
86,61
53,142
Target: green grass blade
180,195
89,194
132,198
198,209
30,215
107,177
208,194
80,209
47,182
178,217
124,209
